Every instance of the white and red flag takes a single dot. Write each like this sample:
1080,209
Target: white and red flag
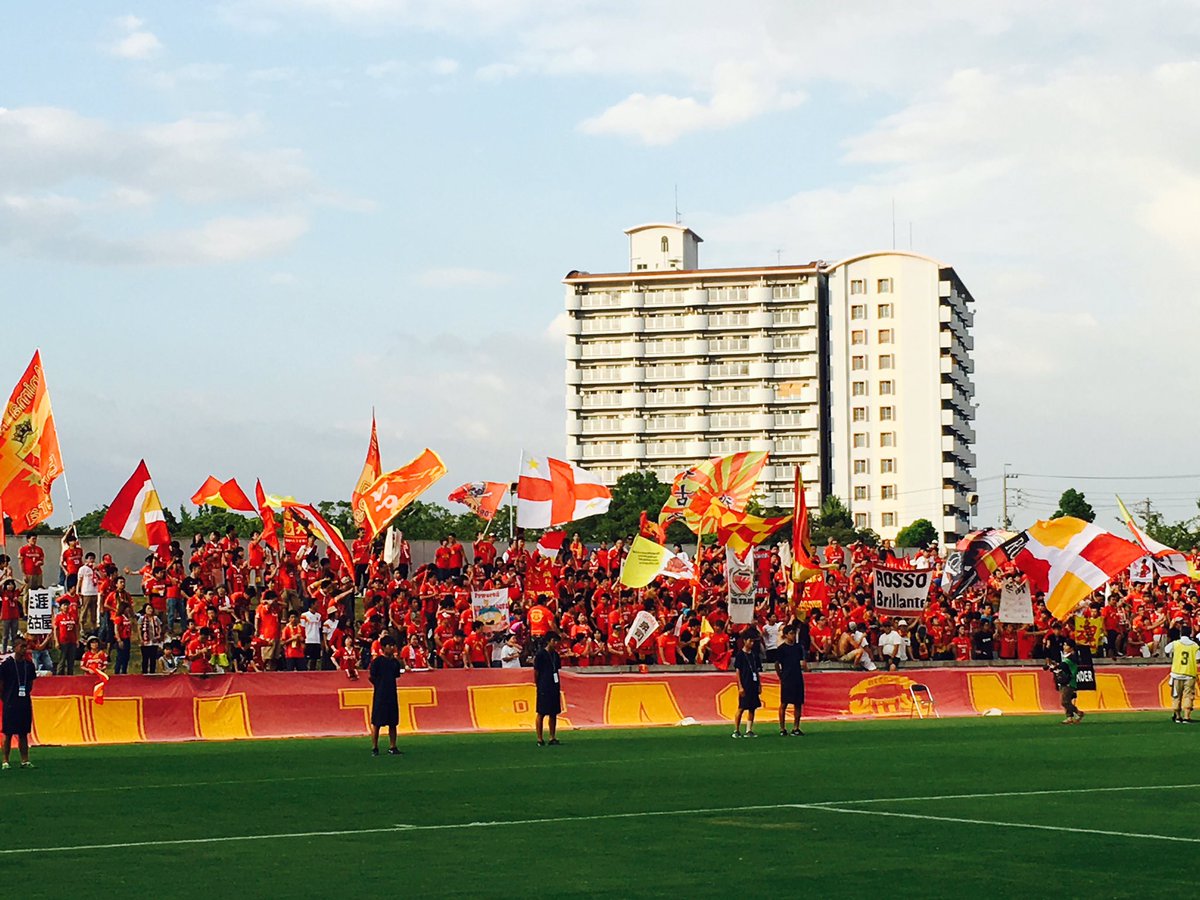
137,514
550,543
553,492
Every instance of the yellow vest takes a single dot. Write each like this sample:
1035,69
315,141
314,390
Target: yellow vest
1183,659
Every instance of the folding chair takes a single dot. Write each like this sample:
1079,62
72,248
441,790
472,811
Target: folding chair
923,704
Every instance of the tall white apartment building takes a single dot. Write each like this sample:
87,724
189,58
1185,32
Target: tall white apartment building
857,371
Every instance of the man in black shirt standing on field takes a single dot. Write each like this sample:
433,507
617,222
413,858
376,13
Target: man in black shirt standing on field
546,664
789,666
747,665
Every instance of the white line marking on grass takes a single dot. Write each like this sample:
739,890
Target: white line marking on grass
391,773
991,795
395,829
961,821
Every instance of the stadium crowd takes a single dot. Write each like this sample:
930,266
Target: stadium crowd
219,606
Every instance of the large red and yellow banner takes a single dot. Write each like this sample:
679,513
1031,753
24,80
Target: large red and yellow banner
326,704
30,460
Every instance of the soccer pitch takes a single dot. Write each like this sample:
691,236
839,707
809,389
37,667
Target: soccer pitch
1008,806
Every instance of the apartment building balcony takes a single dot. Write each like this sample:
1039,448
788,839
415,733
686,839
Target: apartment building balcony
691,323
958,473
679,347
605,425
612,451
956,421
677,372
689,450
740,396
948,340
609,325
611,350
737,370
610,375
682,424
602,300
722,423
682,398
612,400
795,318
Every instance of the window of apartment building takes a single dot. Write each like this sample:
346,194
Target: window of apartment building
861,492
884,310
860,440
887,387
858,285
883,286
858,363
886,466
858,388
887,361
862,520
885,335
887,492
858,311
641,266
858,337
887,413
861,467
889,520
859,414
887,439
791,342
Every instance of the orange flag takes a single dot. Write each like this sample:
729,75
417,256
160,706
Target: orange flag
387,497
223,494
371,470
29,456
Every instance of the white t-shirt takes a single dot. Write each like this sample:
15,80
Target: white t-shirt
771,632
87,581
312,626
510,657
889,644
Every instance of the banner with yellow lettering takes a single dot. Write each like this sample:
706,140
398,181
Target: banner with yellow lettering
30,459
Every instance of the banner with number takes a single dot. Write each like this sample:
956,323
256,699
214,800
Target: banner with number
1016,602
40,611
739,578
491,608
901,591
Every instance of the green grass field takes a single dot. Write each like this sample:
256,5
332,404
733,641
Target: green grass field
865,807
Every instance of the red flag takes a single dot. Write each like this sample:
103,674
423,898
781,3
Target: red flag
481,497
270,532
223,494
651,530
30,459
554,492
371,470
804,562
550,543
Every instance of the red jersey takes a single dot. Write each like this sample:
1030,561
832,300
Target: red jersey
540,619
485,552
268,622
452,654
718,650
457,555
94,660
197,656
293,641
33,558
66,626
72,559
414,657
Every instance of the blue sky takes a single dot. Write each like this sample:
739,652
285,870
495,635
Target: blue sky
234,228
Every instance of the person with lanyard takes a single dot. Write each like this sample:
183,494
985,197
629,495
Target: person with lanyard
1065,675
385,707
1182,651
748,667
790,664
546,664
17,675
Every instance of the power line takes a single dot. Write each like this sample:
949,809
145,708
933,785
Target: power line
1106,477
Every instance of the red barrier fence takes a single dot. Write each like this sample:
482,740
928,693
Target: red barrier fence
278,704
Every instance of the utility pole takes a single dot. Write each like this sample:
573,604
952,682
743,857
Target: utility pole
1005,521
1145,507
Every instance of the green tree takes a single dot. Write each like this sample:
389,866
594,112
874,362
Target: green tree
633,493
1180,535
834,522
920,533
88,525
421,521
1073,503
337,513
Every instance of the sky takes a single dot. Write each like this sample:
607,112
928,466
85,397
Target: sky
234,228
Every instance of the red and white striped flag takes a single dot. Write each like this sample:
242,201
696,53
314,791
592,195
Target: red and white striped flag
553,492
550,543
136,514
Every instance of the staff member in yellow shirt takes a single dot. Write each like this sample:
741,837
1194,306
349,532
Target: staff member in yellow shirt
1182,651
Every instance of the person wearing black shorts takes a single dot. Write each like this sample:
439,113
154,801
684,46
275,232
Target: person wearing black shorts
385,707
748,667
546,663
790,664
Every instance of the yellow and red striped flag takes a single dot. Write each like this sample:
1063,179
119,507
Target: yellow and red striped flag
30,459
137,514
740,531
728,480
222,494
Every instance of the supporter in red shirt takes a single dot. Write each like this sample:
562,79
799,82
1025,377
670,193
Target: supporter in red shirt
451,652
198,651
961,644
65,625
666,644
476,644
266,629
413,655
33,559
292,641
718,649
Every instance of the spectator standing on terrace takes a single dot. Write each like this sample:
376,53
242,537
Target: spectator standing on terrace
748,666
66,635
88,582
33,562
546,664
16,693
385,707
152,633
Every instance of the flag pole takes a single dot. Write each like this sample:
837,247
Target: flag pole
67,488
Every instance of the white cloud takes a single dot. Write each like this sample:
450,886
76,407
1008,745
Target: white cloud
135,42
443,66
68,180
386,68
497,71
453,277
